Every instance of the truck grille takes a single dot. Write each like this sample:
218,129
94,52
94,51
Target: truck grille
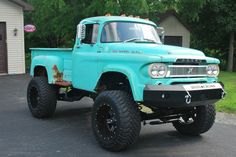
186,71
182,61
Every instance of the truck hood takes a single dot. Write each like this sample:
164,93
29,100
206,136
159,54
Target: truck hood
166,52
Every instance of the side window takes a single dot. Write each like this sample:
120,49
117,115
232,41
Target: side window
91,34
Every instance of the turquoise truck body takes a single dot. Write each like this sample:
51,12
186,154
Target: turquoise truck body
83,65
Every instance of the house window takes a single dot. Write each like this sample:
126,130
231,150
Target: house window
174,40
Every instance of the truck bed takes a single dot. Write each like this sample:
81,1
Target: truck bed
58,62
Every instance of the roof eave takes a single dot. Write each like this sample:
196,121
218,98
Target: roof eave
168,13
23,4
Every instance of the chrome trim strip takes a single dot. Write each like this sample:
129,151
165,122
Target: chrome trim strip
187,66
186,75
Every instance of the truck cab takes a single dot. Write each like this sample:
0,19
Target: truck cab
122,64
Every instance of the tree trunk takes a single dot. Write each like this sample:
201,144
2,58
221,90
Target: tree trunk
231,53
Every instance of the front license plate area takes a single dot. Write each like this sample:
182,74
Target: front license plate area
202,86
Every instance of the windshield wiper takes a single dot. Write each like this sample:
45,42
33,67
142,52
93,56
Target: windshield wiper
132,39
153,41
140,40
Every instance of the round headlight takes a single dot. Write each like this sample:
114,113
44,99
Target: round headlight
157,70
212,70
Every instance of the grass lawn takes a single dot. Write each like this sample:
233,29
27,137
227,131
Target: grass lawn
229,103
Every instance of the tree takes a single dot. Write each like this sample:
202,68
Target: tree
211,20
190,9
214,30
117,7
225,16
56,20
50,18
208,36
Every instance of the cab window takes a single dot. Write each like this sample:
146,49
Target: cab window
91,34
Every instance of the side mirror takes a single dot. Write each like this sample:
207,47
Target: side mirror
81,31
161,32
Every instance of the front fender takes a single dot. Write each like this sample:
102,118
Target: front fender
53,65
136,87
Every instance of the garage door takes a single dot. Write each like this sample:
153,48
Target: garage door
174,40
3,48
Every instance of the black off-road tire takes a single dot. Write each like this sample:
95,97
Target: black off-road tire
204,120
116,120
41,98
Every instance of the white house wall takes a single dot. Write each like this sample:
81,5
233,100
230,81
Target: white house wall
173,27
12,14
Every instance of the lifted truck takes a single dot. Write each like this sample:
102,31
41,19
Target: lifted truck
121,63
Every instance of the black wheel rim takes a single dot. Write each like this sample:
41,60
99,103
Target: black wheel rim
106,122
34,97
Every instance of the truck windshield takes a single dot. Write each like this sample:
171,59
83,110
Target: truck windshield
129,32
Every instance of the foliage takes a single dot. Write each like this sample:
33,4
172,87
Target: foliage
157,6
56,20
116,7
209,33
27,61
225,11
49,18
190,9
210,20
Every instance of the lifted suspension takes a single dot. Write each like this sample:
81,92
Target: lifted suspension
161,116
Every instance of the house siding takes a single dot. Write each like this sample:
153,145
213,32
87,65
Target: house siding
12,14
173,27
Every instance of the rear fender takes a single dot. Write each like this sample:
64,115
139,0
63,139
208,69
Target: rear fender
53,65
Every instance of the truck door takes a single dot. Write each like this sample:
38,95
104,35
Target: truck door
85,60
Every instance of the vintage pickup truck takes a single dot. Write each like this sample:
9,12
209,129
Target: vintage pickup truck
121,63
